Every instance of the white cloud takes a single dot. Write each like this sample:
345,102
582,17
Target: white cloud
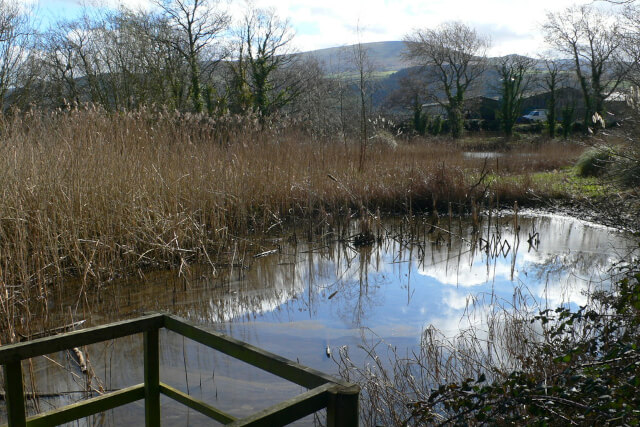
514,26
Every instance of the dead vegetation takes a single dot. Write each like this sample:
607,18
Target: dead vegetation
92,195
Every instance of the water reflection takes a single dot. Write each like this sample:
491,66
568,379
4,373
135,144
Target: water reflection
305,297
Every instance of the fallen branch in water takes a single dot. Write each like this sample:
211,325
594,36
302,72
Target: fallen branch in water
52,331
49,395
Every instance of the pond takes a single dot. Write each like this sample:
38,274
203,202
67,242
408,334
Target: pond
305,301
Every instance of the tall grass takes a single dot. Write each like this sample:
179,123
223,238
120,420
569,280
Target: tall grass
498,339
518,363
95,196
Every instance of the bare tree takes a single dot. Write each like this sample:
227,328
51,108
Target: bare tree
116,58
141,68
515,74
411,95
316,106
630,41
79,61
341,92
16,38
69,55
593,41
364,70
454,54
196,25
554,78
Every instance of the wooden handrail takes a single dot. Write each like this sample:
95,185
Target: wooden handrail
270,362
79,338
338,396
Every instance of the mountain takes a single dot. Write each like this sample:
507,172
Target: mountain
391,69
385,57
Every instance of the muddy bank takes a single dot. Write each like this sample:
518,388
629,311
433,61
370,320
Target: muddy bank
620,211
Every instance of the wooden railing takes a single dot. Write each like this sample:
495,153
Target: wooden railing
339,397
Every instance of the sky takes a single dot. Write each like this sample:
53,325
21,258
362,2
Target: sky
513,25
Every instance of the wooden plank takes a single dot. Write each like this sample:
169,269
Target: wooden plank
47,345
14,394
343,407
339,396
289,411
270,362
196,404
87,407
151,378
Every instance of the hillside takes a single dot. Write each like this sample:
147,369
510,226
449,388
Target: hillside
385,57
390,68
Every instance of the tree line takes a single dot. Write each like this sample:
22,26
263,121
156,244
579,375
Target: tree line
596,50
186,55
189,55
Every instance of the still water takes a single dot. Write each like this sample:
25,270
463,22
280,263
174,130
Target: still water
306,300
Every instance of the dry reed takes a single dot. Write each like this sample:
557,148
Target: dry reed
94,196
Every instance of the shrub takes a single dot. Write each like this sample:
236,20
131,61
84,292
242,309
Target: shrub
420,122
491,125
567,121
595,162
436,126
577,127
628,170
473,125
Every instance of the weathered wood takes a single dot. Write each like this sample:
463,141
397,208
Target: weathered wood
289,411
151,378
26,350
270,362
87,407
339,397
31,395
196,404
343,407
15,394
52,331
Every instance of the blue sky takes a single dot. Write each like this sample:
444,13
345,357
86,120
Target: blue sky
514,25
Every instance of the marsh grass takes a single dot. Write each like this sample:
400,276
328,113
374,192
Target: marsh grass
92,196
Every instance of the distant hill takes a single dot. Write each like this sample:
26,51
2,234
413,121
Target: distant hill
390,67
385,57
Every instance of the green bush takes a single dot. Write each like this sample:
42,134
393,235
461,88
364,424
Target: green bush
577,127
491,125
473,125
436,126
595,162
567,121
420,122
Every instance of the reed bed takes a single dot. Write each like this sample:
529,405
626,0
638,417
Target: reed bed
95,196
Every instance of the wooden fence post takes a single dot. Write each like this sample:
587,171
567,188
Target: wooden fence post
151,379
343,407
14,394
